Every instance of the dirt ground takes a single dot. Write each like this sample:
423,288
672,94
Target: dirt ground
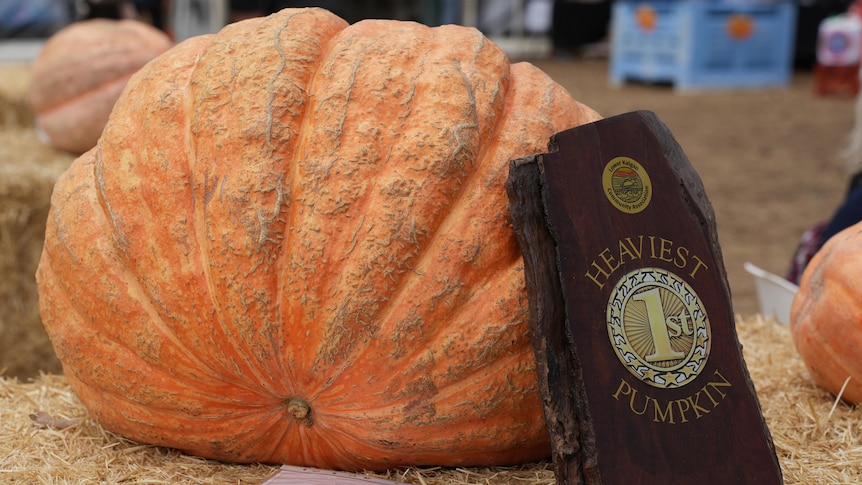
770,159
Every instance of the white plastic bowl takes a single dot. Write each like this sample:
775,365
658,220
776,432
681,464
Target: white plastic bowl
774,293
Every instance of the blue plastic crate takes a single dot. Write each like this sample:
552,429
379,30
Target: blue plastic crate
702,45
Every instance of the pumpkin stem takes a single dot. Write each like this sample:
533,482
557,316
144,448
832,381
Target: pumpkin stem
300,410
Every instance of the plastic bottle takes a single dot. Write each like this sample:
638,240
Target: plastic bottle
839,51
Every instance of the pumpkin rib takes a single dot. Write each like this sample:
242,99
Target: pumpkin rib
124,242
458,202
159,320
510,103
202,42
217,213
128,392
326,66
456,390
71,309
292,218
338,442
283,369
438,343
324,53
199,216
402,451
226,437
202,243
415,274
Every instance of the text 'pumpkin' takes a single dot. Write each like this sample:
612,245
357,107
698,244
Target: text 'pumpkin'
292,245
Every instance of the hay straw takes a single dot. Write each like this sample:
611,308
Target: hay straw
86,453
47,437
817,437
14,109
28,171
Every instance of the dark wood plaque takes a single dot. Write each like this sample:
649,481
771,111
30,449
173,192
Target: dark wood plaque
641,371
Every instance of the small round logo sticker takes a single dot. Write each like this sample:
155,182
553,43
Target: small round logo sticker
646,17
739,26
658,327
627,185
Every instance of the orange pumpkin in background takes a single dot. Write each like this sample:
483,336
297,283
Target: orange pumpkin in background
826,316
79,74
292,245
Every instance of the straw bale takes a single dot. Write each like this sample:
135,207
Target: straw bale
14,109
817,437
28,171
63,446
47,437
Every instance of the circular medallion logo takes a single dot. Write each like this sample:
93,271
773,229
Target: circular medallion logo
627,185
658,327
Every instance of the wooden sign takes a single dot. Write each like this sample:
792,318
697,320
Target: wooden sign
642,374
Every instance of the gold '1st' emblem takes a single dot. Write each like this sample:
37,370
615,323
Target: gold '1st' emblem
658,327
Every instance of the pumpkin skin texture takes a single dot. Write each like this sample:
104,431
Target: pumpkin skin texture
825,318
292,245
81,71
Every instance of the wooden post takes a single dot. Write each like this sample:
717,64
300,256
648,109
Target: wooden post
640,368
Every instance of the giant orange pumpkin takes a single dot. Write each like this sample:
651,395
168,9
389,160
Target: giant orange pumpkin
79,74
826,315
292,245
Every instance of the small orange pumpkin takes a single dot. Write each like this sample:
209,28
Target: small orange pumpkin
79,74
292,245
826,317
646,18
739,26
